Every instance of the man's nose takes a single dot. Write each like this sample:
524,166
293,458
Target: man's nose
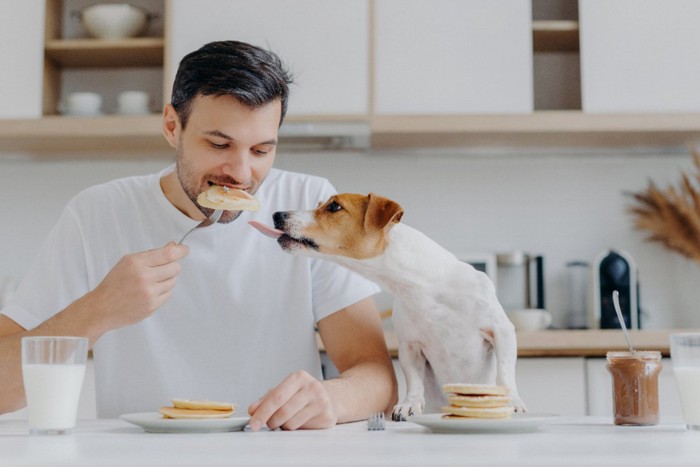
238,167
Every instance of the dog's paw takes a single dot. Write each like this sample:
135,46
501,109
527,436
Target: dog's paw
518,404
401,412
407,408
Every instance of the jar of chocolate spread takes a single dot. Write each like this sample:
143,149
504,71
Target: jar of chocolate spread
635,377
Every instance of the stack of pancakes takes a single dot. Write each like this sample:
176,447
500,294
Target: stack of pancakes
477,401
185,408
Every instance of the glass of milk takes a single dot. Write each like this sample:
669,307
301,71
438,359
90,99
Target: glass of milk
685,356
53,369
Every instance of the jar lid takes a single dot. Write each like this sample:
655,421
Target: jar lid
646,354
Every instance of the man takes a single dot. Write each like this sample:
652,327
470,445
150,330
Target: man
229,316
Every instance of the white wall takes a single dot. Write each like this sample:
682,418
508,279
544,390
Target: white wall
565,206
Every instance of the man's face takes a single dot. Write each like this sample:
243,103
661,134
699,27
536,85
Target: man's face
226,143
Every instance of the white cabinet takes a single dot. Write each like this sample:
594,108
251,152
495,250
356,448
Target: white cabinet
453,57
552,385
640,56
600,390
22,58
325,45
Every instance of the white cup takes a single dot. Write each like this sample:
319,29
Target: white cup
53,369
133,103
685,356
530,319
84,104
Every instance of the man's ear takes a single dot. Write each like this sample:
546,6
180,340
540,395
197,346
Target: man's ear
171,125
381,212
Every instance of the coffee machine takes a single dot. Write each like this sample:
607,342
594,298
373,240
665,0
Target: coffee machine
615,270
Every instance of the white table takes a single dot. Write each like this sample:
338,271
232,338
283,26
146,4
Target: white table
584,441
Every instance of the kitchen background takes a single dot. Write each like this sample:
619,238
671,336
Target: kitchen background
564,202
566,207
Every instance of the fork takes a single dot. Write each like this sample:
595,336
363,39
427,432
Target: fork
213,219
375,422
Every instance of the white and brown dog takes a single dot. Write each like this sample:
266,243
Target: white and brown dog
449,323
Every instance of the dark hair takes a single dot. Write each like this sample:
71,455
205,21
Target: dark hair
252,75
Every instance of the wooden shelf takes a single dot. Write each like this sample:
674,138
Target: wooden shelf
123,137
97,53
555,36
540,129
57,134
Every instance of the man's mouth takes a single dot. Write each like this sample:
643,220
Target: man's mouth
211,183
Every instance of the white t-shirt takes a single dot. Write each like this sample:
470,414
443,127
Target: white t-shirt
241,317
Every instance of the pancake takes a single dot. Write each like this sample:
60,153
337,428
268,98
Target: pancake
478,401
197,408
228,199
472,412
172,412
194,404
475,389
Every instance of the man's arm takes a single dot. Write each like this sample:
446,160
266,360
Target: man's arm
66,323
133,290
354,341
12,397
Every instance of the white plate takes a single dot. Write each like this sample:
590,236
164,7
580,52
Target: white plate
519,423
153,422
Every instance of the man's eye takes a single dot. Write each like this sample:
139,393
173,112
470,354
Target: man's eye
333,207
262,150
218,146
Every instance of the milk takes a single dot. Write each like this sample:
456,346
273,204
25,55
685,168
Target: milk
52,391
688,379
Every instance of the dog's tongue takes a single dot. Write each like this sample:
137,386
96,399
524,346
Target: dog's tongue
265,230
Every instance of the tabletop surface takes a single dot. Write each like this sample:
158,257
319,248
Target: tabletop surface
577,441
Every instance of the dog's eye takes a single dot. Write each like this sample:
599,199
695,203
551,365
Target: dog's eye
334,207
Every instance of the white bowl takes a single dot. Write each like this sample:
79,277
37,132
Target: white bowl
114,20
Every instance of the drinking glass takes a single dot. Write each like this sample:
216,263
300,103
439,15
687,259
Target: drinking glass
685,356
53,369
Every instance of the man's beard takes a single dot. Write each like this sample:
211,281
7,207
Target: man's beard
187,178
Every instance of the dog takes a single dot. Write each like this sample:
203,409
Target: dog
449,324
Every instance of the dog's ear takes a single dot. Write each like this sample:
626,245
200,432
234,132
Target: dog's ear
381,212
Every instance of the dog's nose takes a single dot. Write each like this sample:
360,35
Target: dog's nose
280,218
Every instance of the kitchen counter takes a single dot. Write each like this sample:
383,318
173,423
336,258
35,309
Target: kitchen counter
591,343
575,343
580,441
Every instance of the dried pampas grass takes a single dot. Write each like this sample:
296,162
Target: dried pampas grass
672,216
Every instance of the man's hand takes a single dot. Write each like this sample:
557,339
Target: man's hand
354,341
137,286
300,401
133,290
